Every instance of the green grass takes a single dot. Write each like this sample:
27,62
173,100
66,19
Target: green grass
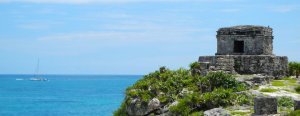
295,113
286,78
239,113
288,90
278,83
256,87
292,81
269,90
287,81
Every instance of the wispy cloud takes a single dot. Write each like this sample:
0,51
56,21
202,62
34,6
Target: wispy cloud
283,9
107,1
39,25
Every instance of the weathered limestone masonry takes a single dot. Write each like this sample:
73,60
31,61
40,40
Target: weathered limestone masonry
246,49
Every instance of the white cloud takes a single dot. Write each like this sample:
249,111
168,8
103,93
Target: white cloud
107,1
124,32
39,25
283,9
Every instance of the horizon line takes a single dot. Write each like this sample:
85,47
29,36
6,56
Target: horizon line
82,74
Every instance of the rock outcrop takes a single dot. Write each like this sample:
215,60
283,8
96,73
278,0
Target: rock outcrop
216,112
265,105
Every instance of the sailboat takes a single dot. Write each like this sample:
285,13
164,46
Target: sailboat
37,77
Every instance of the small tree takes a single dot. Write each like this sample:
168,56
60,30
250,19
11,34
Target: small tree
294,69
162,69
195,68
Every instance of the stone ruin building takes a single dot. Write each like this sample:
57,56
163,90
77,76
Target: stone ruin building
245,49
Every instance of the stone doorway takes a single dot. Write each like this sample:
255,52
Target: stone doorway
238,47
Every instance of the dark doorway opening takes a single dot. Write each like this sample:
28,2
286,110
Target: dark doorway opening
238,47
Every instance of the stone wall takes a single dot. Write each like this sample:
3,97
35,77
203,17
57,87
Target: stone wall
248,64
257,40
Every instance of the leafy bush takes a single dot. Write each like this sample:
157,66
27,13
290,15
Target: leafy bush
221,79
297,89
295,113
285,102
214,90
121,110
183,107
294,68
219,97
270,90
195,68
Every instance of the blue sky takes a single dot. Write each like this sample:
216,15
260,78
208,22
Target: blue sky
130,36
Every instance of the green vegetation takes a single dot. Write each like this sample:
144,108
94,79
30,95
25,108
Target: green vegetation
195,68
294,68
287,81
297,89
120,111
285,102
278,83
256,87
210,91
270,90
239,113
295,113
201,113
290,80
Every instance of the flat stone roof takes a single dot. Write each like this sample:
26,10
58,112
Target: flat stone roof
245,30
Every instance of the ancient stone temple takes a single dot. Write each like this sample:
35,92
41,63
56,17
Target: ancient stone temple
246,49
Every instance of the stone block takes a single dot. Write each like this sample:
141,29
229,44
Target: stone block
297,104
265,105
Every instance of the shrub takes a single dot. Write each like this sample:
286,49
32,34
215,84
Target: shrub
215,89
218,97
294,68
195,68
295,113
221,79
224,97
285,102
183,107
120,111
270,90
297,89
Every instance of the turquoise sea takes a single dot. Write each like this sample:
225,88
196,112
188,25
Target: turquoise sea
63,95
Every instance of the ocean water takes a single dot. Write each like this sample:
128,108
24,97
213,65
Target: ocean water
63,95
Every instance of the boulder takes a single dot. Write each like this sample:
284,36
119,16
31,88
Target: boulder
154,104
261,80
216,112
265,105
297,104
136,107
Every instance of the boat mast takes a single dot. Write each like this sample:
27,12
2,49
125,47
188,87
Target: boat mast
37,68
